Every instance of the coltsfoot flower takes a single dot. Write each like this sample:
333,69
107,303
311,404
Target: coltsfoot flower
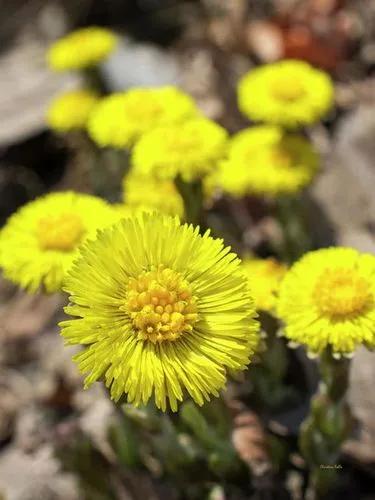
191,150
328,299
163,311
264,277
70,110
289,93
265,160
40,241
121,118
81,49
149,193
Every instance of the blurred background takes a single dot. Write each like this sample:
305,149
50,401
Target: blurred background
203,46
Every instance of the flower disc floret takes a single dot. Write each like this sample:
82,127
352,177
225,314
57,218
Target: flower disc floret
161,305
162,312
81,49
342,293
265,160
71,110
120,119
328,299
40,241
192,150
290,93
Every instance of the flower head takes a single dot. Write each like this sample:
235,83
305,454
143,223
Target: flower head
40,241
149,193
264,160
328,299
264,277
70,110
191,150
289,93
163,311
121,118
82,48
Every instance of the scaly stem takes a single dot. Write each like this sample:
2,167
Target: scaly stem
268,375
327,425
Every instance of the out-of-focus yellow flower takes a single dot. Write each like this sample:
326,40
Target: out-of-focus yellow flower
162,311
289,93
123,210
40,241
81,49
264,280
146,192
120,119
70,110
328,299
191,150
264,160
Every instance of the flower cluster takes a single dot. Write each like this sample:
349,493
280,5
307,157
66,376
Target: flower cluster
160,310
163,310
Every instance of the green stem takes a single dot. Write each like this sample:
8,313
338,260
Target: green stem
93,80
192,195
327,426
268,375
291,216
109,168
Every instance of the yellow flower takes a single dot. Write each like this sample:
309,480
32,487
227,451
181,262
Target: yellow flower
264,279
191,150
289,93
264,160
328,299
39,242
121,118
163,311
81,49
70,110
152,194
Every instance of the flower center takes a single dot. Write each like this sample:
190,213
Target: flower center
60,232
287,88
341,292
161,305
280,157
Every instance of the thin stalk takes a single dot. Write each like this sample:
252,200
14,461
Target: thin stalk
94,81
192,195
268,375
327,425
109,168
291,216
